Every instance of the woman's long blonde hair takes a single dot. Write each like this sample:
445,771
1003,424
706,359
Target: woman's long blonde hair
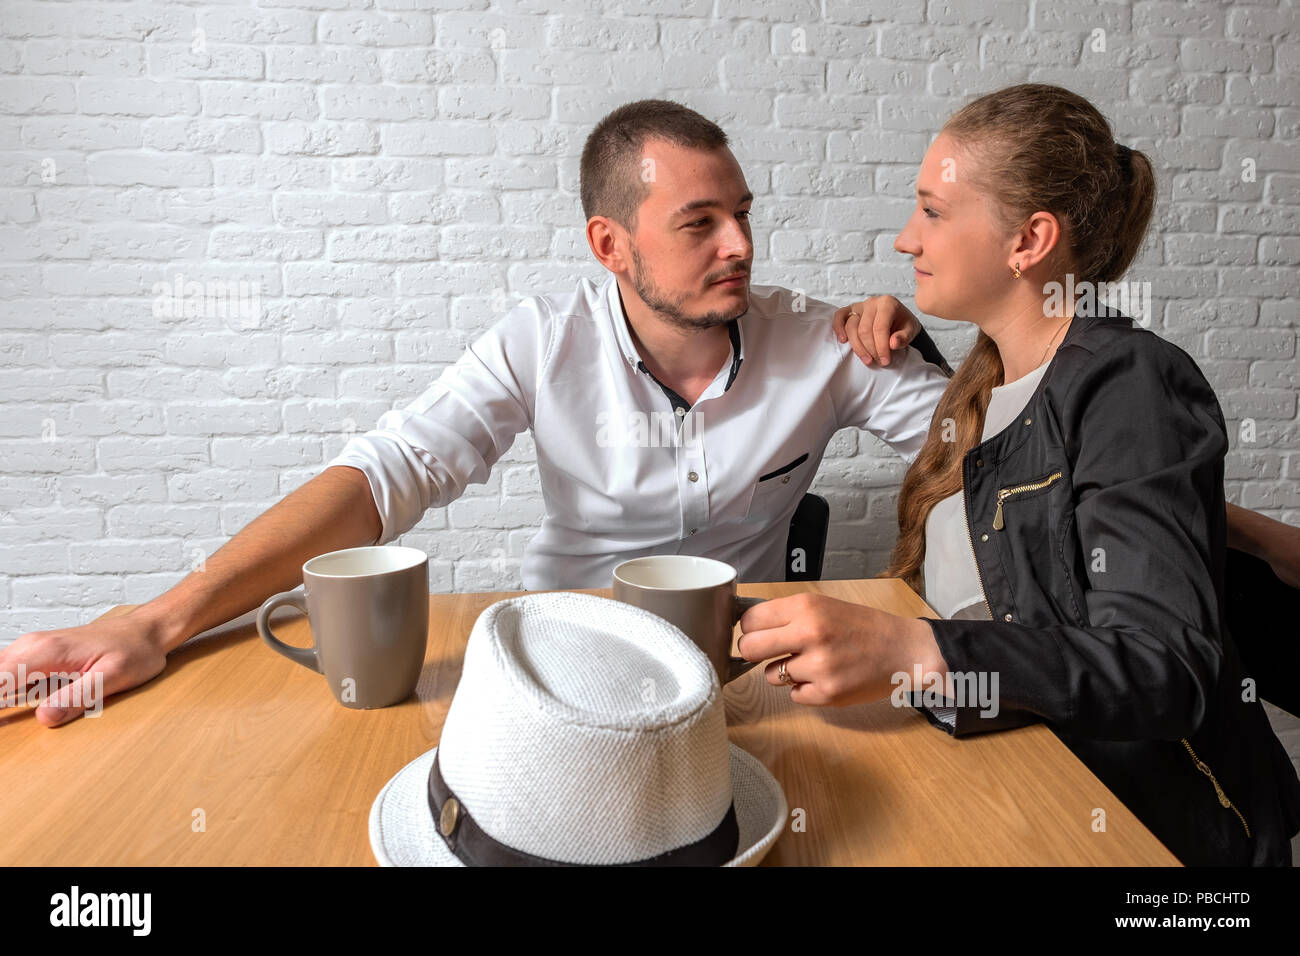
1035,147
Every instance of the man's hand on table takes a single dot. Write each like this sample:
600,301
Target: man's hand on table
876,326
844,653
127,650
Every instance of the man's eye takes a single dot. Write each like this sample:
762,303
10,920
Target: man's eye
930,213
744,214
697,222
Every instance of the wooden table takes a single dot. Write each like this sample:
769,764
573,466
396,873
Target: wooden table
235,755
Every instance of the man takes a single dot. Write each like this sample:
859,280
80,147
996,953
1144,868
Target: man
674,409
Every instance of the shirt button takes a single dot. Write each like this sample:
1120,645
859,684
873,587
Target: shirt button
1029,421
984,537
692,476
680,411
979,462
1007,618
785,480
692,531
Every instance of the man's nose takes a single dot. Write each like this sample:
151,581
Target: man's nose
736,243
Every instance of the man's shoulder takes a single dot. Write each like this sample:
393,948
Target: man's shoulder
789,317
585,297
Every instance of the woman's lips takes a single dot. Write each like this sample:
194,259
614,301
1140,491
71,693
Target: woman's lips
919,272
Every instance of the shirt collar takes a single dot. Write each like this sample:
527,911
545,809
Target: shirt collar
618,315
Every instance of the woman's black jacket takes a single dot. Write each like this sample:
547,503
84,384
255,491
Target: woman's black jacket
1097,523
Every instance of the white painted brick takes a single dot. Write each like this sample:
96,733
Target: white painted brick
494,242
234,418
143,521
442,345
95,558
353,102
376,29
215,62
47,457
1283,189
44,241
1272,90
141,454
825,111
433,66
203,136
449,278
88,58
32,559
324,209
313,64
492,513
1174,86
271,172
156,23
235,25
281,244
322,139
313,278
19,94
1259,23
260,101
279,452
619,36
874,77
493,103
278,383
20,526
384,244
1166,18
220,486
81,591
137,97
1082,17
135,168
105,490
867,11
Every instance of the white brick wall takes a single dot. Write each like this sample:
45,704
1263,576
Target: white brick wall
389,172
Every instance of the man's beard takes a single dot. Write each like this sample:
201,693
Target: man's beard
670,309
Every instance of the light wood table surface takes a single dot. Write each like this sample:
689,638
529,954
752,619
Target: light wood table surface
254,748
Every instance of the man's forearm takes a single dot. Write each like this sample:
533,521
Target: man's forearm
334,510
1249,531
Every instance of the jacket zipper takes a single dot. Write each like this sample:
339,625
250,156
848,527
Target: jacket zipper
1224,802
1005,493
971,541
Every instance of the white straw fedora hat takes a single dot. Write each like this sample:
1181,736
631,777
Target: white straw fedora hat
584,731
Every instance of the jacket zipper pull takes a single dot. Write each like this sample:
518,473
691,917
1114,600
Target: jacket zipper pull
997,516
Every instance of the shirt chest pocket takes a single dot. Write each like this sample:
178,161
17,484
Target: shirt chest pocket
772,491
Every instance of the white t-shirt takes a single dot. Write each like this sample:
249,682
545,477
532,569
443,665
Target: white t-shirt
952,585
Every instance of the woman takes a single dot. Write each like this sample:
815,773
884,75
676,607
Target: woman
1066,514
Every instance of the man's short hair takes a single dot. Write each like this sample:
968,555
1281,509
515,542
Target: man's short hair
611,177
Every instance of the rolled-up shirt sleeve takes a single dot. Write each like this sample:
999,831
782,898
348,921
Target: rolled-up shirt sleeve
424,455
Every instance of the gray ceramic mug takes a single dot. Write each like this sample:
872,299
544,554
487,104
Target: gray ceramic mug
696,594
369,615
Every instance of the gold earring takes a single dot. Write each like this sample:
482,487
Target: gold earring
1015,273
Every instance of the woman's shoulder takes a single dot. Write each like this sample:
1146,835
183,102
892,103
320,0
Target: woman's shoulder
1114,347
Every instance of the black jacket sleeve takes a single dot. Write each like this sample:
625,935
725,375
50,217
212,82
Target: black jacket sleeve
1145,440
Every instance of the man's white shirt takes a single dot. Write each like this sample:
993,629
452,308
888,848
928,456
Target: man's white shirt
623,474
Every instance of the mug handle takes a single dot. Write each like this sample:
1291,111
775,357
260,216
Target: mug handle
738,665
305,656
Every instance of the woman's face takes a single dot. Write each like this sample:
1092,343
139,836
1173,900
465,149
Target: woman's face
959,250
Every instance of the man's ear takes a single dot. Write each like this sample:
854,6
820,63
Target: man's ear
608,241
1037,239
